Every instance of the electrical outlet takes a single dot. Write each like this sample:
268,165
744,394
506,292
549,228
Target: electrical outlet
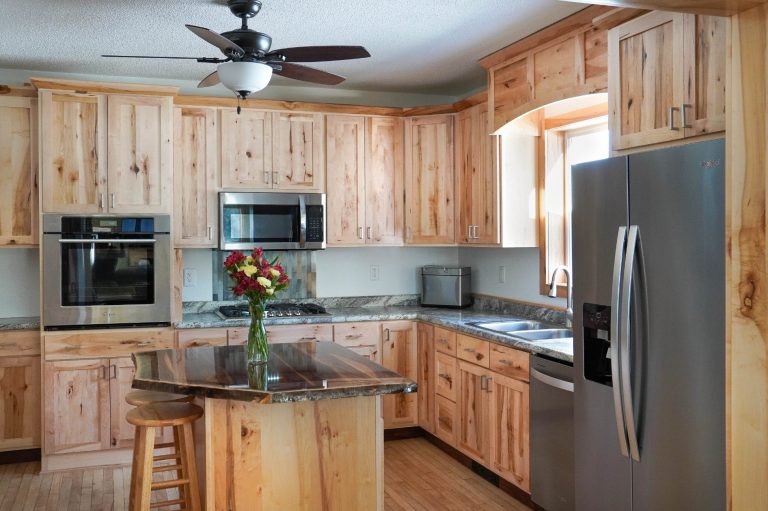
375,272
190,277
502,274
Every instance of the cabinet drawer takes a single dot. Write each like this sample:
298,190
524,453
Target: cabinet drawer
285,333
509,362
366,333
473,350
445,420
445,341
445,376
201,338
19,343
112,343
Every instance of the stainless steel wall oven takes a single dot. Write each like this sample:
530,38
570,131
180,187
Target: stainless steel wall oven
105,271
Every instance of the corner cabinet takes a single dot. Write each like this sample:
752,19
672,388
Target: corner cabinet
195,177
429,180
666,78
18,171
365,180
477,178
105,153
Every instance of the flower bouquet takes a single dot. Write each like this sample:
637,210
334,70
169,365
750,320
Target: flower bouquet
259,280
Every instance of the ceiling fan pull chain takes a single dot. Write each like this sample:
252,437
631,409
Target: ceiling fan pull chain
238,105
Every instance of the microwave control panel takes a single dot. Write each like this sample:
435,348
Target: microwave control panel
315,223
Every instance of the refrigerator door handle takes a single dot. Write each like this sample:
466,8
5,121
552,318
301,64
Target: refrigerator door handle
618,263
633,246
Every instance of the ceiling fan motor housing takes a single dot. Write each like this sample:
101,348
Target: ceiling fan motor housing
244,8
256,43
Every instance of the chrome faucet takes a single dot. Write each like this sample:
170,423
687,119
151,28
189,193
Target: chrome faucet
569,292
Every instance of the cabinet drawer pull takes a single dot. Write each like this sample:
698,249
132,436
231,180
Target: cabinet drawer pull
683,122
483,384
113,372
308,338
488,381
368,232
266,177
353,336
672,111
446,377
104,372
505,362
360,232
210,233
101,201
386,334
276,177
112,199
469,350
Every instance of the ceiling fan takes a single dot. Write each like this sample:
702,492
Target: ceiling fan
249,63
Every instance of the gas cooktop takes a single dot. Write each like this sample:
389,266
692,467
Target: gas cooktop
274,310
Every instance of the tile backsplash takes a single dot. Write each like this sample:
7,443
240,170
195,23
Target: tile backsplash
299,264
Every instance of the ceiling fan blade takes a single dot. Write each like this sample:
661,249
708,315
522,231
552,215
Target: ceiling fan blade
210,80
219,41
320,53
308,74
152,57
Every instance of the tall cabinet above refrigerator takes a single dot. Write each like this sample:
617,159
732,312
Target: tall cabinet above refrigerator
649,330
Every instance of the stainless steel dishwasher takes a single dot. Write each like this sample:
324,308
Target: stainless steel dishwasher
552,466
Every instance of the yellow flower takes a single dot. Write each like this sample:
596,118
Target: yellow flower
274,272
249,260
269,291
249,270
264,282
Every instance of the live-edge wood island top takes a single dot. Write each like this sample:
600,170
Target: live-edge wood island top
302,371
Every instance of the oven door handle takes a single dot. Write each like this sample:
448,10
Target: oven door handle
302,222
121,240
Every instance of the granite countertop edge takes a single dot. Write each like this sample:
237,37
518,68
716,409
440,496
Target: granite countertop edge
20,323
456,319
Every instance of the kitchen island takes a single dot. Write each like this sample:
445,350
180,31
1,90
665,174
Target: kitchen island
304,432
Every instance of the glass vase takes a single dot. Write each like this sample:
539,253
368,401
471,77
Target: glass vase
257,348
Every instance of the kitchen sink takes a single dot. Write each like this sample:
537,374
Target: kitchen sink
545,334
505,327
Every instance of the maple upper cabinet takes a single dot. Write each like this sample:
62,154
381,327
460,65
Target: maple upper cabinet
298,152
429,180
18,171
105,153
364,168
246,149
195,163
666,78
477,178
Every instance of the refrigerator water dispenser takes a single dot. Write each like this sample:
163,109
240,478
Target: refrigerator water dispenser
597,345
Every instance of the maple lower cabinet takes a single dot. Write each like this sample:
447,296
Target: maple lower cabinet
105,153
364,170
400,354
20,401
121,371
195,177
298,152
666,78
246,149
18,171
429,180
425,334
201,338
364,338
510,415
477,178
473,411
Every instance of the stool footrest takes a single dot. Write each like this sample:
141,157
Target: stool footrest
165,445
166,468
164,485
162,457
167,503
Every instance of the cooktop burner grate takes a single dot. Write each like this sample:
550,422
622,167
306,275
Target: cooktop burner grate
273,310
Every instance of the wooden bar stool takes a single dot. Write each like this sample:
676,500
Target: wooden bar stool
145,397
147,418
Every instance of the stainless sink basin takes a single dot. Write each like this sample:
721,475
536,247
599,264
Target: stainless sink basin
545,334
505,327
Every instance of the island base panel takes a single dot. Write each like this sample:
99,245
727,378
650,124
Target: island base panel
304,456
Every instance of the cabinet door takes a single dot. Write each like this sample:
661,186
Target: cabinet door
299,163
73,149
429,180
140,153
446,377
510,453
646,77
77,416
467,169
195,142
426,377
121,371
399,353
485,185
705,59
345,164
18,171
19,402
473,436
246,149
445,420
384,181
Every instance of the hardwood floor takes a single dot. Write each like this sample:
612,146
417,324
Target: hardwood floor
417,477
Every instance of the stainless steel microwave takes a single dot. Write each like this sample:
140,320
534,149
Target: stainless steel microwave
272,221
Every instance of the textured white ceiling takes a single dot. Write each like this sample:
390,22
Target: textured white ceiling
418,46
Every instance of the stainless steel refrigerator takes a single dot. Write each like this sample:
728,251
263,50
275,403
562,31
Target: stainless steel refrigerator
649,330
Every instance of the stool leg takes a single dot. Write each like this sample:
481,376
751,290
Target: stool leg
141,469
177,448
192,493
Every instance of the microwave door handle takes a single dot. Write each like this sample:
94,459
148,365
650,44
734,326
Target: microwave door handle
121,240
302,222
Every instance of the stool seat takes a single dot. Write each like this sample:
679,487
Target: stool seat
144,397
158,415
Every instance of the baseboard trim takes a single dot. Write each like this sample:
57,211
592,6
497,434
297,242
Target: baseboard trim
403,433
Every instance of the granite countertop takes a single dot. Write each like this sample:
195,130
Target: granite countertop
304,371
20,323
456,319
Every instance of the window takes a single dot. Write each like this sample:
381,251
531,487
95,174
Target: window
564,146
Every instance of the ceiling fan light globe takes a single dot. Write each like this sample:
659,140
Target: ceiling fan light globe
244,77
